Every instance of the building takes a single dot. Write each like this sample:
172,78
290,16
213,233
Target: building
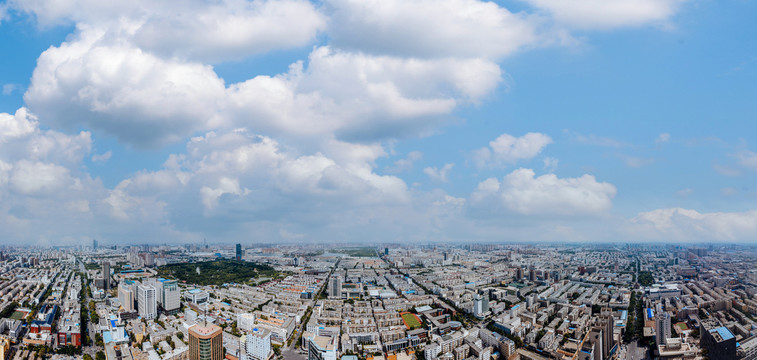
5,345
335,287
480,305
246,322
169,296
258,344
94,244
147,304
106,275
205,342
239,252
386,251
662,327
322,348
126,295
196,296
719,342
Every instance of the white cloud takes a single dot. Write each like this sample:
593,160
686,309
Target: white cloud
729,191
102,157
684,192
522,193
431,28
507,149
210,31
550,164
747,159
225,186
726,170
662,138
8,88
406,163
439,175
677,224
608,14
123,90
635,161
36,178
14,126
361,97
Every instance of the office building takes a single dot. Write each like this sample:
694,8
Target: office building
335,287
662,327
480,305
205,342
239,252
386,251
147,304
126,295
246,322
106,275
169,296
258,344
719,342
94,244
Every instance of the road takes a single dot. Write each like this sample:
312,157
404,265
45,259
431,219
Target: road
636,352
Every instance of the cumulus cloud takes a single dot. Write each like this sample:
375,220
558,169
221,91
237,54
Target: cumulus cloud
439,175
680,224
208,31
521,192
431,28
124,91
507,149
608,14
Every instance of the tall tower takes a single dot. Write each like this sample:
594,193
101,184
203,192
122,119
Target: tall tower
106,275
205,342
335,287
94,244
147,301
662,327
239,252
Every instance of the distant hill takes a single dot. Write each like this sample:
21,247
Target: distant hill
217,272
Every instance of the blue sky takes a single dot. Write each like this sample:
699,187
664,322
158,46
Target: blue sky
378,121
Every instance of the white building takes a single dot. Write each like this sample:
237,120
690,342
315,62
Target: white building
196,296
169,295
147,303
126,295
322,348
258,344
246,322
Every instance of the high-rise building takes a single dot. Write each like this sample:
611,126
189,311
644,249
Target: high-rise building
718,340
169,296
246,322
94,244
296,262
147,304
106,275
662,327
607,322
258,344
239,252
478,306
205,342
335,287
126,295
386,251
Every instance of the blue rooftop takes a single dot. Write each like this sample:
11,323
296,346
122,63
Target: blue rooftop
650,313
724,333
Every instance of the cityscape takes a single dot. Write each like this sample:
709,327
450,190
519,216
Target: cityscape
393,302
378,180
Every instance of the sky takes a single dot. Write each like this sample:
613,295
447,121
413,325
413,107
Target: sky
378,121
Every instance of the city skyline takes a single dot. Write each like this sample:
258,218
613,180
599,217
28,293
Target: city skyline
532,121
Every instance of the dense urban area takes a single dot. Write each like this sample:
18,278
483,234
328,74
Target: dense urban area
389,302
